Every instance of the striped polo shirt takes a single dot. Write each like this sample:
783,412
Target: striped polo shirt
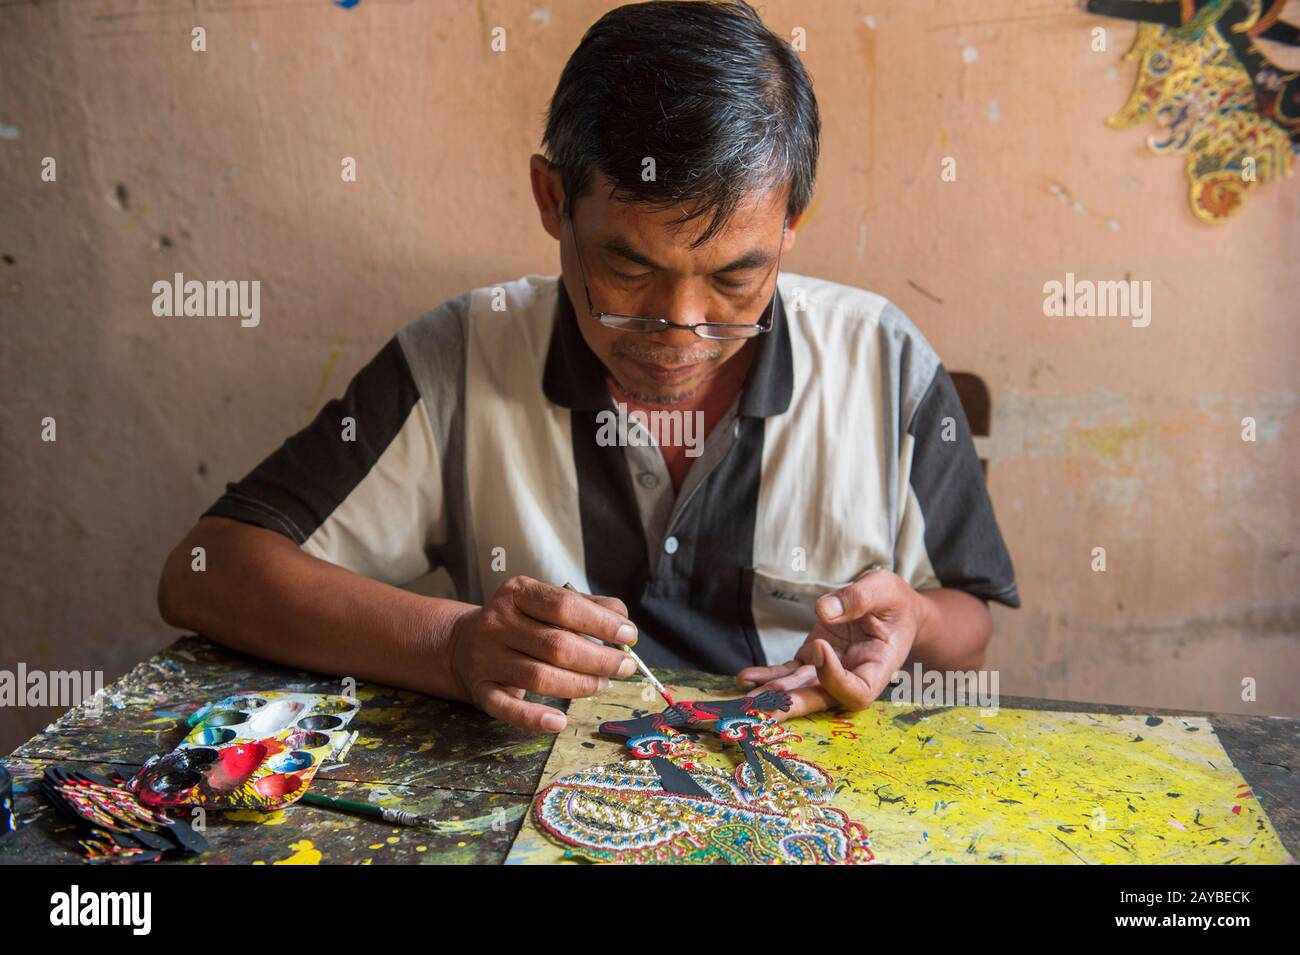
479,440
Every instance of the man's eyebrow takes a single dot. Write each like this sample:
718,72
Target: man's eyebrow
754,258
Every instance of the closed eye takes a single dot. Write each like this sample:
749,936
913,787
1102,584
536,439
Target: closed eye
725,283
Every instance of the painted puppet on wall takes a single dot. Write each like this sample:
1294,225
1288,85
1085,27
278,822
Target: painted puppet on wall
1216,98
668,804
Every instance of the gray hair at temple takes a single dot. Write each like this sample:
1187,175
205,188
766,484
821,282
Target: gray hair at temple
720,103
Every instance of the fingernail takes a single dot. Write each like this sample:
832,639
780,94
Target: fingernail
818,658
627,633
746,684
830,607
602,683
553,722
627,667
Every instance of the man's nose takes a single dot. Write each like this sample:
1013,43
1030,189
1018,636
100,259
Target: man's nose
682,304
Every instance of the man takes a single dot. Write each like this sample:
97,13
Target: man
813,517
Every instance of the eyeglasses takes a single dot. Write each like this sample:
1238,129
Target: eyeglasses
646,325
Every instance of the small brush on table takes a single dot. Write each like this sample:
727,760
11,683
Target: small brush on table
384,813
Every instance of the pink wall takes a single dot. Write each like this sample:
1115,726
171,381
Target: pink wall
1104,435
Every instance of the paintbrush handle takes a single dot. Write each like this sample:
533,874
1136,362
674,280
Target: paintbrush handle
640,664
387,814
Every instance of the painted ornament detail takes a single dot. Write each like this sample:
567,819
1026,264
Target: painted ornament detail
1216,99
668,804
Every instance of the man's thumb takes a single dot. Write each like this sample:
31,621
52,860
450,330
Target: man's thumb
830,608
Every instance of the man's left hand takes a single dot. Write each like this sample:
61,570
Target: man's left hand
863,636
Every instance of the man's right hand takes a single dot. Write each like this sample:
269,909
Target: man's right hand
526,638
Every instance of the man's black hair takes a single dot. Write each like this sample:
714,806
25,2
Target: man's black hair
720,103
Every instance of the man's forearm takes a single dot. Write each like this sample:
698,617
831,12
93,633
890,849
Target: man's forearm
954,630
262,595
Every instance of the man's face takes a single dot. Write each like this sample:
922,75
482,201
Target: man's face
636,262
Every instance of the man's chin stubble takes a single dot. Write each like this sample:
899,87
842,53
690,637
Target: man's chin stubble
648,352
671,399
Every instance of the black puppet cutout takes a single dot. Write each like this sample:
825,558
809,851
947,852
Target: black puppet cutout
740,721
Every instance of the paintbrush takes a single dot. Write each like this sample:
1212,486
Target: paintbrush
640,664
399,816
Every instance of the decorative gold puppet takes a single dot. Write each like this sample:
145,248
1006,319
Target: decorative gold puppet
1215,97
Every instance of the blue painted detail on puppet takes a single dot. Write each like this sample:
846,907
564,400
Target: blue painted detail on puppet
737,728
649,744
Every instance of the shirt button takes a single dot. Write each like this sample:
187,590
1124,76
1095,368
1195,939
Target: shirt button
670,545
647,480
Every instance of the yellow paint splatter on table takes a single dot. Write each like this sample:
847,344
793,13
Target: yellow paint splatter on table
304,853
275,818
1033,786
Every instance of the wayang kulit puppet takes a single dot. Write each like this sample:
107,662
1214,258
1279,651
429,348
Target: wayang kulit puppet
669,804
1215,96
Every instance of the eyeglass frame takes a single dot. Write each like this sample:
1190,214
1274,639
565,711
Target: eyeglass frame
760,328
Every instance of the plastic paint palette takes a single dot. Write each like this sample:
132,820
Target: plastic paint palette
249,751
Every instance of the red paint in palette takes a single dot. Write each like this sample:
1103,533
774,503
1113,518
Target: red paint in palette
278,784
235,765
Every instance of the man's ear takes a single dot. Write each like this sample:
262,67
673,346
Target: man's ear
548,192
791,228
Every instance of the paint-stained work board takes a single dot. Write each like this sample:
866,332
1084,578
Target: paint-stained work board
965,785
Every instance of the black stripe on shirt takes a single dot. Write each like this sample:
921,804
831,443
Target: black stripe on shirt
300,484
962,538
613,540
693,608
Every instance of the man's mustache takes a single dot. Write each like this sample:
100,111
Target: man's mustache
663,355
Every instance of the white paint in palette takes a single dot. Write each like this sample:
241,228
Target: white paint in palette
275,717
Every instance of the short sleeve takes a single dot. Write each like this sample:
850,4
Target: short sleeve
948,535
360,486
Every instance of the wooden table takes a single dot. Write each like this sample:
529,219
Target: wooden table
447,760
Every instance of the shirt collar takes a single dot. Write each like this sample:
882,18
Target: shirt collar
574,377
